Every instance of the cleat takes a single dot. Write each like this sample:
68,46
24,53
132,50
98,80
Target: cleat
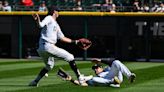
61,73
76,82
84,84
132,77
115,85
85,78
34,84
82,79
116,80
68,78
81,83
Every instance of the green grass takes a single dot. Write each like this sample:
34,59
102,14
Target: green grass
15,76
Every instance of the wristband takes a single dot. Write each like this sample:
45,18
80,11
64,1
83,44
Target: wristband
74,41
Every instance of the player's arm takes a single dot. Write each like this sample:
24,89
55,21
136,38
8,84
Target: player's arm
68,40
40,23
36,18
82,43
105,61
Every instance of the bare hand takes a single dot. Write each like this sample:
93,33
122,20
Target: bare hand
35,16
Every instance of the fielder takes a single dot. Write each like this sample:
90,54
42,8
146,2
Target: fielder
112,75
49,35
114,69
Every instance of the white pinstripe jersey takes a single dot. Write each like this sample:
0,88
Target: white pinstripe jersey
50,30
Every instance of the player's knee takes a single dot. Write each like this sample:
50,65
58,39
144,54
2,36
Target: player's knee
49,67
70,58
117,61
50,63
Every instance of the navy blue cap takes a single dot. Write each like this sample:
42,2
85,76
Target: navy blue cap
96,66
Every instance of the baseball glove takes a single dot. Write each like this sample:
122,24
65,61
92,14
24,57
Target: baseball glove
84,43
61,73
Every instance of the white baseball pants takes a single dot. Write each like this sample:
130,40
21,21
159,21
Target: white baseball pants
117,69
48,51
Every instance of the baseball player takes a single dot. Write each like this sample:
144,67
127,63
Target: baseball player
112,75
114,69
50,33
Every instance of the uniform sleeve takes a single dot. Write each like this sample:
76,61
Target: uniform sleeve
60,34
45,21
107,69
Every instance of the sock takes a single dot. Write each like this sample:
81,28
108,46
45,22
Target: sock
74,68
41,74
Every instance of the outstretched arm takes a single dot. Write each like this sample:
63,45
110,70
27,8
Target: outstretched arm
82,43
36,18
68,40
107,61
42,23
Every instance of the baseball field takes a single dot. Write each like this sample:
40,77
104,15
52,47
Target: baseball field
15,75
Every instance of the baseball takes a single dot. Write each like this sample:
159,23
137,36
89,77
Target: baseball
46,75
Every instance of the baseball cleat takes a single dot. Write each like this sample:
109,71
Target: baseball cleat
84,84
85,78
116,80
132,77
115,85
76,82
68,78
81,83
65,76
33,83
82,79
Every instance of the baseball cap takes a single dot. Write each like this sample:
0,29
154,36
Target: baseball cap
96,66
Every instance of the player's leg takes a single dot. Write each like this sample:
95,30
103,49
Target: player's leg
49,64
99,81
125,71
59,52
82,79
37,79
120,76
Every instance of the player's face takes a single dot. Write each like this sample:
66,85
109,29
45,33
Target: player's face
56,14
98,70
